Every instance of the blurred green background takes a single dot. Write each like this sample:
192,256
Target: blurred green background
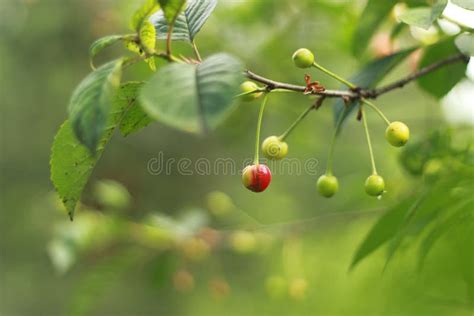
284,252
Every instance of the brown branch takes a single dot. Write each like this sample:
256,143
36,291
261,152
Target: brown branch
360,93
420,73
272,85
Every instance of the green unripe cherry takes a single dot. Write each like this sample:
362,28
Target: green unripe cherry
327,185
249,86
397,134
274,148
303,58
374,185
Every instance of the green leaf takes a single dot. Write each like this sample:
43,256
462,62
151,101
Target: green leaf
461,213
90,103
102,43
465,43
171,9
188,23
135,118
385,228
416,154
424,16
374,14
71,163
143,13
396,30
148,37
420,17
441,81
134,47
466,4
370,75
437,9
193,98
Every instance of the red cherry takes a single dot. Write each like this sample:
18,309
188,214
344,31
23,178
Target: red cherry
256,178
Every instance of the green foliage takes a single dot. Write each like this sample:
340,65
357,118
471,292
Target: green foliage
424,16
90,103
134,118
465,43
437,145
385,228
369,76
147,36
143,13
441,205
440,82
188,23
193,98
71,163
102,43
171,9
374,14
466,4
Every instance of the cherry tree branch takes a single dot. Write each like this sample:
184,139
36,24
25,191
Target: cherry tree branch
420,73
359,93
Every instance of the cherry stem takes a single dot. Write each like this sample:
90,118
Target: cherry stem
366,128
296,122
376,109
259,126
330,73
281,90
196,51
250,92
333,142
168,39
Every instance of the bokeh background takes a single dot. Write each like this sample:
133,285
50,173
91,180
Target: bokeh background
145,244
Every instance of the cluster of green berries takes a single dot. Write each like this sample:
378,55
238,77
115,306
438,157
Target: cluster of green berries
397,134
257,177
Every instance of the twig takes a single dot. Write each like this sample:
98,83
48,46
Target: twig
426,70
272,85
360,93
196,51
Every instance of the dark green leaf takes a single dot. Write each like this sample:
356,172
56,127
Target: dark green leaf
441,81
143,13
135,118
466,4
71,163
90,103
370,75
188,23
193,97
424,16
171,9
102,43
385,228
374,14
